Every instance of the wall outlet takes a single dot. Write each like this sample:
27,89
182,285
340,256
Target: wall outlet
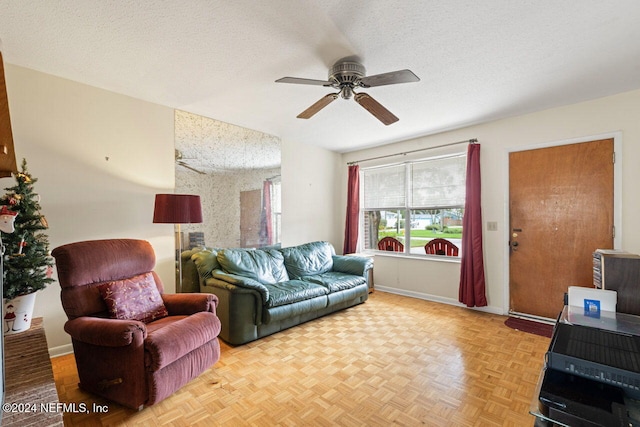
492,226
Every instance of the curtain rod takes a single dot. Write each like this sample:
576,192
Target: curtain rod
469,141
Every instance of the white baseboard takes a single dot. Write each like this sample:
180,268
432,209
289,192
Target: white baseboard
436,298
61,350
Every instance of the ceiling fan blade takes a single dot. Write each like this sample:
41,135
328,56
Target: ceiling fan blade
375,108
297,80
319,105
184,165
394,77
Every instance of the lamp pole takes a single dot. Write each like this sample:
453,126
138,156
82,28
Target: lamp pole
178,259
177,209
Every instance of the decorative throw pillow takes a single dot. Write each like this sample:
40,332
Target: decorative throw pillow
136,298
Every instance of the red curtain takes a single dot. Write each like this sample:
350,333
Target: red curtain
353,211
472,285
266,224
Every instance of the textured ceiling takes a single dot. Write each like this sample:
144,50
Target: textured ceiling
477,61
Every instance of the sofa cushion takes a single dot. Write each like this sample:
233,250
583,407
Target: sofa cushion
265,266
206,261
294,313
308,259
335,281
293,291
136,298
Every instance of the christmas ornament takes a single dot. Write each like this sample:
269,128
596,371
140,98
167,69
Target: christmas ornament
7,219
21,245
23,177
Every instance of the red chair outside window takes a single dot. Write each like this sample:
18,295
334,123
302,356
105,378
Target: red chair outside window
441,247
390,244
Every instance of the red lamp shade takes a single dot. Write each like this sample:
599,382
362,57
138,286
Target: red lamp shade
177,209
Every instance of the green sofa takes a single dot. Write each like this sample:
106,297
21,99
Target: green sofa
263,291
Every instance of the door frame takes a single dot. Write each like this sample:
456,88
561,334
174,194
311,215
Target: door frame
617,195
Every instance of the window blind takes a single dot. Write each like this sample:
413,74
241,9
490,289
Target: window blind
438,182
385,187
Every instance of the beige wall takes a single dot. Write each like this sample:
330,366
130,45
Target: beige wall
310,199
66,131
438,280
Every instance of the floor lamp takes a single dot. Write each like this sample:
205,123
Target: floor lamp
177,209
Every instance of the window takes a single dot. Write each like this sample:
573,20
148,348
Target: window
414,203
276,209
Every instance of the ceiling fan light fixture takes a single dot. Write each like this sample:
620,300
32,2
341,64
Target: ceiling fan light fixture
346,92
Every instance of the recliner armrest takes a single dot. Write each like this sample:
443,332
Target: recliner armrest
188,304
105,332
165,345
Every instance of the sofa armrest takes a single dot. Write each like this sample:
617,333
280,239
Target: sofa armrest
190,277
234,296
188,304
106,332
349,264
243,282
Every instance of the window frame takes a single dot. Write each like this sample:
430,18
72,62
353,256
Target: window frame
407,211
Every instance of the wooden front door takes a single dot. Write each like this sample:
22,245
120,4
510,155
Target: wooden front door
560,211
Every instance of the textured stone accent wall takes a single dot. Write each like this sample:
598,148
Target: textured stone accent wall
234,158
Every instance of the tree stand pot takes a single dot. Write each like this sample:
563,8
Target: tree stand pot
17,313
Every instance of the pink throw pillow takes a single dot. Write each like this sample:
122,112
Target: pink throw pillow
136,298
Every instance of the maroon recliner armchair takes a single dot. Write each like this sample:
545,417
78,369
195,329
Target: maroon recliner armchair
133,344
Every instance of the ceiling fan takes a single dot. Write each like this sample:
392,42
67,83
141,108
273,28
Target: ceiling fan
345,76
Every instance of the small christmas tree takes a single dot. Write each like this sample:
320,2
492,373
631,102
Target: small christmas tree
27,264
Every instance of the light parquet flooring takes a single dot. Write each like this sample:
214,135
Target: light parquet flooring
391,361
